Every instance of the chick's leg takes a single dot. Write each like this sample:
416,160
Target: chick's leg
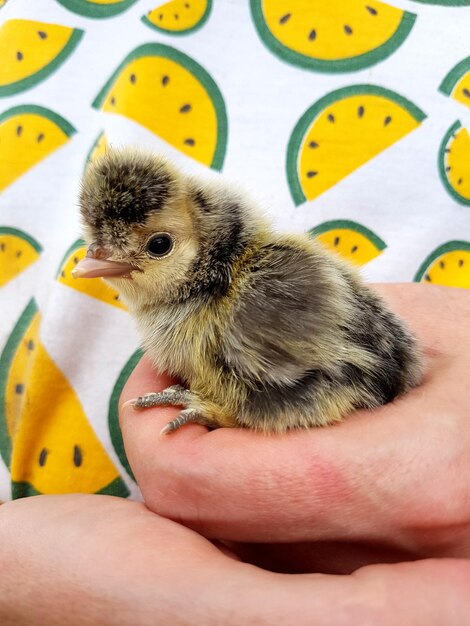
176,395
195,410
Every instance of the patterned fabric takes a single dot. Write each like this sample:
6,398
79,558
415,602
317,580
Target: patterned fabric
349,120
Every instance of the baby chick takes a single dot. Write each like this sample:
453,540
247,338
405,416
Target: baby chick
264,331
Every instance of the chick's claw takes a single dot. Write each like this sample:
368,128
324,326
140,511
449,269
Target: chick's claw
172,396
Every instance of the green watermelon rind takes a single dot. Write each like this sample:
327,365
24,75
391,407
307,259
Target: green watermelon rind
6,359
90,152
452,78
186,31
351,64
313,111
16,232
445,3
442,166
23,489
32,80
325,227
21,109
79,243
450,246
90,9
113,411
162,50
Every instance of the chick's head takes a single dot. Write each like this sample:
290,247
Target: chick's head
139,225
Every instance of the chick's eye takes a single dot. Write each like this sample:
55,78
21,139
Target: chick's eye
159,245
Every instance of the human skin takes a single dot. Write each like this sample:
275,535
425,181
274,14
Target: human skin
88,559
383,486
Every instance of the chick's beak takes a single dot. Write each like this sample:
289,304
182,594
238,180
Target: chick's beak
96,264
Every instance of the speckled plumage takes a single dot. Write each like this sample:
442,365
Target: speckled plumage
267,331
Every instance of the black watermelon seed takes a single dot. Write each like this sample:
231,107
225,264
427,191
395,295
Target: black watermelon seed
284,18
360,111
353,249
448,168
113,100
19,130
185,108
313,144
331,117
387,120
132,78
466,92
442,265
311,174
77,456
75,260
30,344
176,16
461,262
42,34
19,56
371,10
312,35
336,241
19,388
40,137
18,254
447,150
116,297
189,142
2,246
43,456
460,181
347,29
160,17
427,278
165,80
62,274
187,5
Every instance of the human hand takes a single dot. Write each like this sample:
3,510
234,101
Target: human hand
86,560
384,485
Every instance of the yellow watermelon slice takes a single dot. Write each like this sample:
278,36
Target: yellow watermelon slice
18,251
342,131
454,163
28,134
31,51
330,36
113,411
448,265
457,83
352,241
97,8
179,17
100,147
46,438
95,288
174,97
